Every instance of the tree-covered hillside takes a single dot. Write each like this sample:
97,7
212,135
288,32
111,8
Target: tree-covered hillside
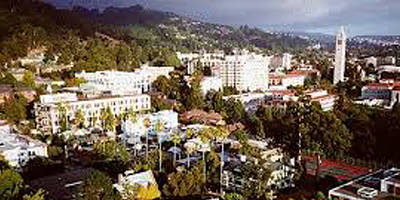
118,38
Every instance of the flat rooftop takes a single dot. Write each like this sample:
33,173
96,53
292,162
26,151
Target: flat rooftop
9,141
373,181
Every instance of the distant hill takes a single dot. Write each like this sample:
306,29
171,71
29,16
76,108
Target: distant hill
202,35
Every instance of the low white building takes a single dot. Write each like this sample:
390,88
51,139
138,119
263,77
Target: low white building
19,149
211,83
327,101
130,178
47,110
283,81
381,184
134,129
122,83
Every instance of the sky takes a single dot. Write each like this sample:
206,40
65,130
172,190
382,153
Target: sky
360,17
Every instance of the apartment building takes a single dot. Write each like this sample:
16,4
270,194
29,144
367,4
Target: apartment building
47,110
209,83
19,149
245,72
283,81
122,83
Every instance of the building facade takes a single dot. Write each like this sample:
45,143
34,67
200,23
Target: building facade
382,184
48,114
327,101
245,72
340,57
286,61
211,83
134,129
122,83
283,81
18,149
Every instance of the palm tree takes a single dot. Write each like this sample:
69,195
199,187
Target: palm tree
176,138
221,133
190,148
159,127
79,118
131,115
205,137
147,123
62,110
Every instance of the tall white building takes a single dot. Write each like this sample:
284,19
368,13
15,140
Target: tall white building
48,116
286,61
209,83
340,57
245,71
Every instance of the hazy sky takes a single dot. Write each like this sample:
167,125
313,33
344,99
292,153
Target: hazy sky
359,16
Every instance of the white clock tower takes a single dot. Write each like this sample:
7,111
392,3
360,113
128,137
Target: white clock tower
340,57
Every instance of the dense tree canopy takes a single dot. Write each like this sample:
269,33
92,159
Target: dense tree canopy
98,186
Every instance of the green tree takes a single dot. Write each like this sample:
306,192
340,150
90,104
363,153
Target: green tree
195,98
98,186
112,151
159,127
79,118
147,123
39,195
14,109
28,79
185,183
148,193
175,138
8,78
62,110
235,111
108,119
233,196
3,163
256,179
75,81
11,184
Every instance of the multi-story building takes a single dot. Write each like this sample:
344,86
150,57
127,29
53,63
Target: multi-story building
153,72
282,168
134,129
382,184
18,149
205,59
371,61
242,70
245,72
114,82
340,57
283,81
377,91
122,83
47,110
210,83
327,101
286,61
